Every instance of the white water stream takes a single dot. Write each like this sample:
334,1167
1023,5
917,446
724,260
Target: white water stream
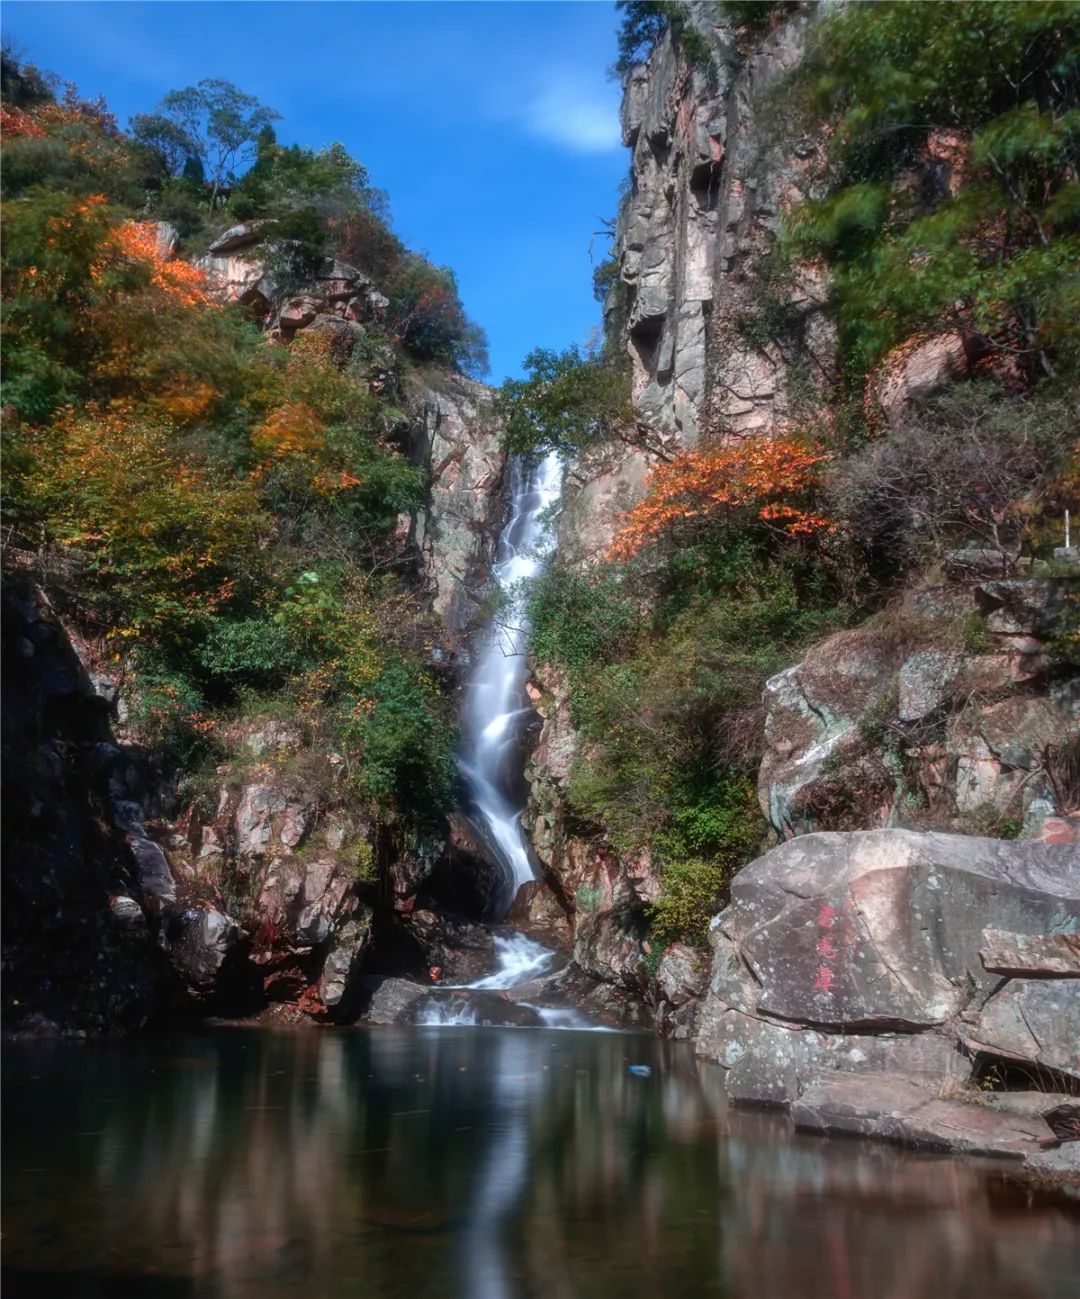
496,703
520,959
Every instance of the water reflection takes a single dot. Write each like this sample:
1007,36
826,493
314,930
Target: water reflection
488,1164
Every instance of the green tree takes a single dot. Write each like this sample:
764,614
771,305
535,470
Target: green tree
213,122
567,402
953,137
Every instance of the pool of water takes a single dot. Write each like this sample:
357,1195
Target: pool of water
474,1164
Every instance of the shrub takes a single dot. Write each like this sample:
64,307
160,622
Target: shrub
690,894
248,652
405,746
970,466
568,402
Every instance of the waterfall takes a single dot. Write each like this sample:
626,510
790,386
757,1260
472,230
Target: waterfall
496,704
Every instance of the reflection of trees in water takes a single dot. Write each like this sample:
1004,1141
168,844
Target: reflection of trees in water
479,1164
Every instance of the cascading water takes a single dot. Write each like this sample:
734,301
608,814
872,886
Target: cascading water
496,704
496,707
520,960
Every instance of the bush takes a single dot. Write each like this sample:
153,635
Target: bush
690,894
581,620
248,652
973,105
969,467
405,747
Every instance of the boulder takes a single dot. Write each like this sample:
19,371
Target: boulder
238,236
343,959
915,372
1033,1021
391,999
924,683
676,989
460,949
199,939
812,717
854,950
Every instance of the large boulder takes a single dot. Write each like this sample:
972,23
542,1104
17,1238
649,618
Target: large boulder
198,939
343,960
914,720
863,950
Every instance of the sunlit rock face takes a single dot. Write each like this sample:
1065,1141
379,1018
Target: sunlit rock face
695,235
692,248
457,436
979,731
882,951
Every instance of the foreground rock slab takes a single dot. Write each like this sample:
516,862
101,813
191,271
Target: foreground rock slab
851,950
897,1108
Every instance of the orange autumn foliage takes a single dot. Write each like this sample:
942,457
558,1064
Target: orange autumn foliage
772,478
289,430
186,400
17,122
138,241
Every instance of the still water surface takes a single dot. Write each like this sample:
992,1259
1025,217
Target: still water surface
441,1163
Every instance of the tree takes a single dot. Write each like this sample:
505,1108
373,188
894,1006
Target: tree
166,140
768,479
569,401
952,202
213,122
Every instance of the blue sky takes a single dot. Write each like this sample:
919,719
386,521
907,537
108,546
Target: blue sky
492,126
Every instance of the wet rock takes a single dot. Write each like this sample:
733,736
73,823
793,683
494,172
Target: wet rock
471,1006
391,999
460,949
893,1107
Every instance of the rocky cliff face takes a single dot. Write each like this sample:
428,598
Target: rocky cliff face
951,710
693,246
695,235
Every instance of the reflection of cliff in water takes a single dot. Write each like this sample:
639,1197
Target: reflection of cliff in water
474,1165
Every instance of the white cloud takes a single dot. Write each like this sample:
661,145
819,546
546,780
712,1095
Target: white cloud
577,113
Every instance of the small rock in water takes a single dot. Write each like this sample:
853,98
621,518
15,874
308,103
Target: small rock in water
640,1070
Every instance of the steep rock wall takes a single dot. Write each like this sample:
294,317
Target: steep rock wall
695,234
693,247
